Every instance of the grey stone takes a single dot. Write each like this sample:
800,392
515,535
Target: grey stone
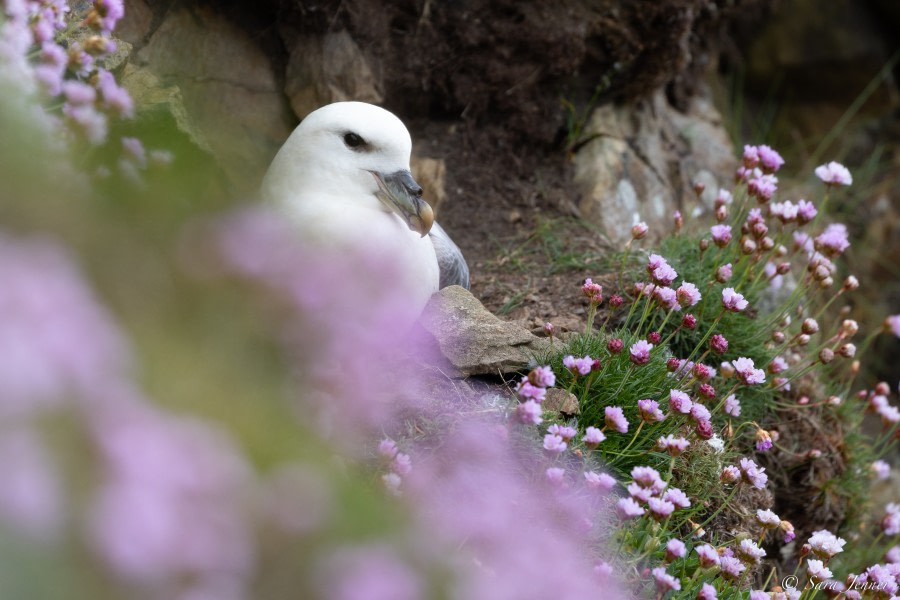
476,342
642,159
326,69
229,89
561,401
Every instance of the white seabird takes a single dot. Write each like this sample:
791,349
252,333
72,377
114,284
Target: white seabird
343,179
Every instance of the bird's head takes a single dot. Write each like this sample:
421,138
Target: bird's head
352,147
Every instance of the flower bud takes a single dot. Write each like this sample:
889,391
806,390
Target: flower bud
654,337
704,245
778,337
699,188
704,429
783,268
679,220
781,251
721,213
615,345
851,283
549,329
767,243
615,301
723,273
847,350
882,388
689,321
639,230
826,355
814,454
826,283
707,391
834,400
748,246
809,326
727,370
672,364
802,339
821,272
849,328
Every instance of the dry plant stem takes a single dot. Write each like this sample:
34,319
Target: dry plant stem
718,510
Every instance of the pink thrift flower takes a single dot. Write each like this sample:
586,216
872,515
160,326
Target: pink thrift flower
563,431
733,301
648,477
677,497
892,325
679,402
723,273
641,494
732,406
730,474
700,412
778,365
649,410
671,444
529,413
731,567
749,552
703,372
578,366
763,440
707,556
615,419
689,322
640,352
890,524
663,275
721,235
825,544
881,469
600,481
664,581
750,158
718,343
660,509
593,437
746,371
593,291
666,296
834,174
542,377
806,212
627,508
688,294
704,429
675,549
769,160
763,187
833,241
555,475
615,346
639,230
753,473
402,464
817,570
387,448
707,592
554,444
526,391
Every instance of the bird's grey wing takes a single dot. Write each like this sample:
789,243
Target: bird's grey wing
453,267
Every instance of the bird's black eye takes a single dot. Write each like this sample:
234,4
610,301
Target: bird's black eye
353,140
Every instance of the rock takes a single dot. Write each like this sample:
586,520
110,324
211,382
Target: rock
229,89
642,159
431,174
157,103
561,401
328,68
476,342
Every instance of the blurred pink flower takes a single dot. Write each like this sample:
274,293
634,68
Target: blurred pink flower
834,174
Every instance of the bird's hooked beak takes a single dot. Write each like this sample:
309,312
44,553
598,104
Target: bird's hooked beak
401,194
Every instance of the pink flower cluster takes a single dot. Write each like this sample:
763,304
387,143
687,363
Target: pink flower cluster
531,390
